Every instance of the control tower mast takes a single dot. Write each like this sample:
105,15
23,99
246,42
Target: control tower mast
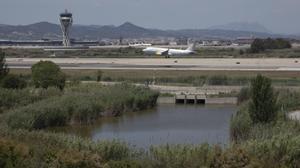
66,21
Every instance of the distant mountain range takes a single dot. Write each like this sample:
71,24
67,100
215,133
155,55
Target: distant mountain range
128,30
243,26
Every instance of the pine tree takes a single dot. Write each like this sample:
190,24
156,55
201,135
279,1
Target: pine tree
262,107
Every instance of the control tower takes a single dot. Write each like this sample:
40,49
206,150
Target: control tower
66,21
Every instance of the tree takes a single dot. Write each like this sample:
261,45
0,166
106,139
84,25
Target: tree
13,82
262,107
3,66
257,46
242,52
46,74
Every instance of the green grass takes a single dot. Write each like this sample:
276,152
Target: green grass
82,105
178,77
129,52
15,98
41,149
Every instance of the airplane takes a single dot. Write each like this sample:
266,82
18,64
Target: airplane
170,52
140,45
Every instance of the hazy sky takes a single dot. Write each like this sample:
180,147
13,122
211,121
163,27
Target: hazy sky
280,16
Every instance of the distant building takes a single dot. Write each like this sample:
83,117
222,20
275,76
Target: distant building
244,40
215,43
182,41
173,43
45,42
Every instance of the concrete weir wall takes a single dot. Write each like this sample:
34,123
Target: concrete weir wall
224,100
166,100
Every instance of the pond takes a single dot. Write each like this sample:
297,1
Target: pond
165,124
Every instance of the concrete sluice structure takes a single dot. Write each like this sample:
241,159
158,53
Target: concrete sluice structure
190,99
197,100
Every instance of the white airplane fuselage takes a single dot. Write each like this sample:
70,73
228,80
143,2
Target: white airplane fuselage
140,45
167,52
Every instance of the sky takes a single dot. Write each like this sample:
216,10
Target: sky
279,16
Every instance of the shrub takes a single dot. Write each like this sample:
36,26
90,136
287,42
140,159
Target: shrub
16,98
125,164
262,107
279,151
13,82
240,125
181,156
113,150
218,80
243,95
288,99
13,154
241,52
3,66
79,159
56,112
46,74
259,45
99,75
234,157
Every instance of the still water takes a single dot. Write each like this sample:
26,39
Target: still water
166,124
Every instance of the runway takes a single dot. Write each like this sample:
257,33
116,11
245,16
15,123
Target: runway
256,64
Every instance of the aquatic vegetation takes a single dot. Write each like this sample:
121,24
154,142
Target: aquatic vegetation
82,105
11,98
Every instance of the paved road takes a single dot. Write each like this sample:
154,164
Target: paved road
268,64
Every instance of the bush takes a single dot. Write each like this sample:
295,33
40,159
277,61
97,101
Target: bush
262,107
179,156
16,98
54,112
234,157
79,159
46,74
218,80
125,164
279,151
13,82
259,45
288,99
241,52
99,75
3,66
13,154
240,125
243,95
61,150
113,150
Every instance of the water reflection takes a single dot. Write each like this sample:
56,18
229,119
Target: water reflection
172,124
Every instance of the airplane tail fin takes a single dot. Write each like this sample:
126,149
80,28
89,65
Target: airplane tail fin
192,47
